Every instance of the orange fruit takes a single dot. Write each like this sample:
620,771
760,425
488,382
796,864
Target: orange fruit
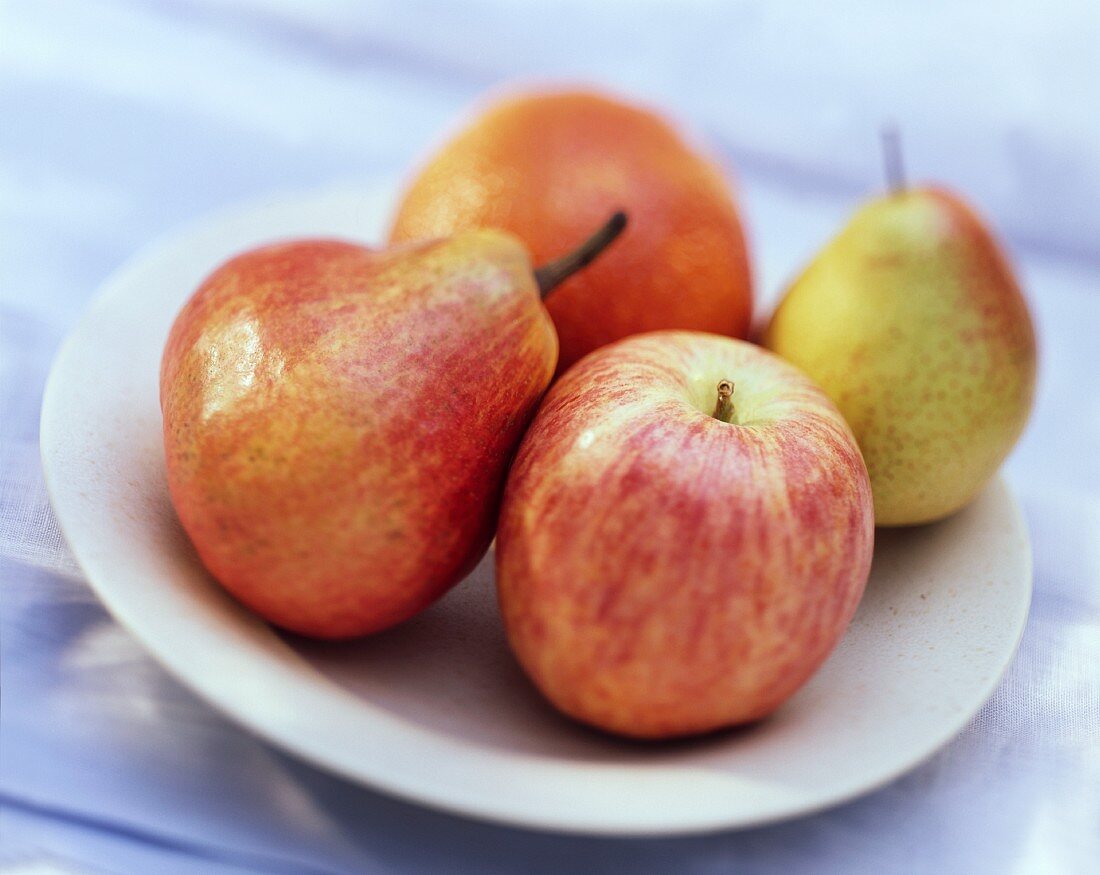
551,167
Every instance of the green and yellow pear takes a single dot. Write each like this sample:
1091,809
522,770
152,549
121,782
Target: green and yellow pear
913,323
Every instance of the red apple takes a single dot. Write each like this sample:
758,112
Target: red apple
672,558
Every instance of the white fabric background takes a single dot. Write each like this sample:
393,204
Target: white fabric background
121,120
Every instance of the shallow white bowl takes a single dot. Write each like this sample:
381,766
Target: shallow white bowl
436,710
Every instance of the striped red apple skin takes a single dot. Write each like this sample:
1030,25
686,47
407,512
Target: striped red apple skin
662,572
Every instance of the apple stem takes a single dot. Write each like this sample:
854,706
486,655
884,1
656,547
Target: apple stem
892,160
553,273
723,410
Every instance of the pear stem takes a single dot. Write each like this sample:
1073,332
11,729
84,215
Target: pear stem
723,410
553,273
892,161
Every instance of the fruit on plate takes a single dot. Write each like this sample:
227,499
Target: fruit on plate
338,421
913,323
685,534
545,165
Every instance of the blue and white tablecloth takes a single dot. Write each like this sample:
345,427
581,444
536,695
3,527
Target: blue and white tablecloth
121,119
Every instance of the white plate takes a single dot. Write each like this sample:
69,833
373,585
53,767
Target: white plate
436,710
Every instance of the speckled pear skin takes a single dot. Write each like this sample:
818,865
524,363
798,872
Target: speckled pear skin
912,321
338,421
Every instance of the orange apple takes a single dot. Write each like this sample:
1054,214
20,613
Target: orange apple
548,164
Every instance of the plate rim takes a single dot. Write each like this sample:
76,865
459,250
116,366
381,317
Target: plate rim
434,798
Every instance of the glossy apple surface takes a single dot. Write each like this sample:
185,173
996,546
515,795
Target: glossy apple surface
338,421
662,572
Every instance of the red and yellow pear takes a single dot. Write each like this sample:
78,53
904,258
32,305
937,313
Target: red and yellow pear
338,420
